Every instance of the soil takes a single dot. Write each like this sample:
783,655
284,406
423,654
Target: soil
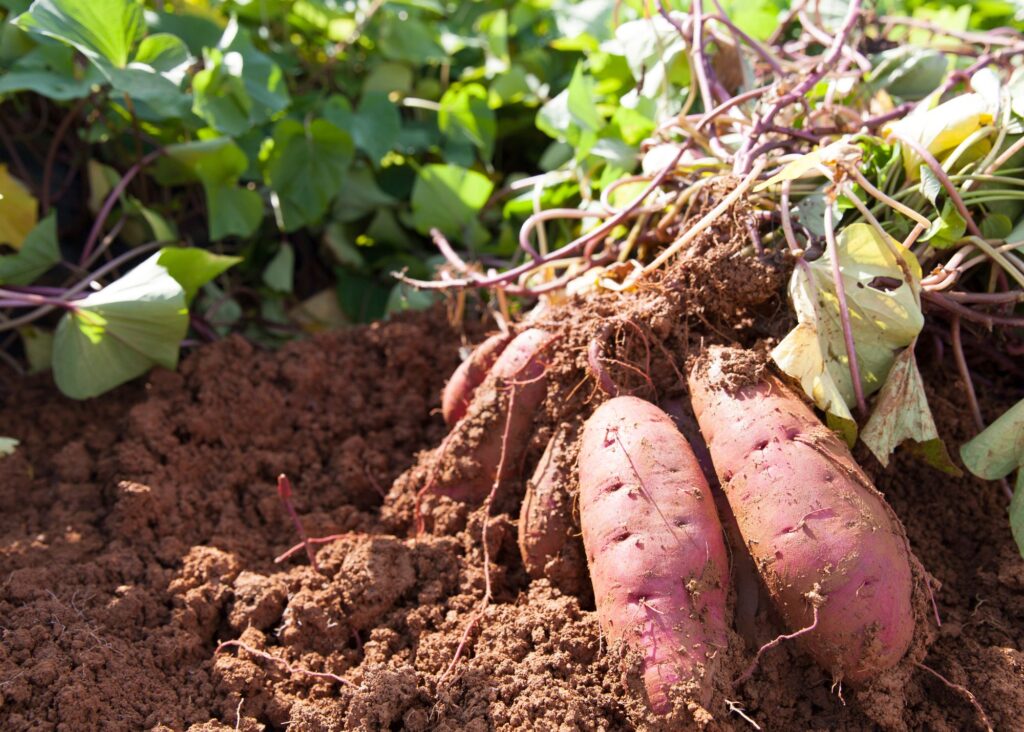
138,531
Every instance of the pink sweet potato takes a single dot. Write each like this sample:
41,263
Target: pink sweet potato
458,393
820,534
654,546
548,539
468,460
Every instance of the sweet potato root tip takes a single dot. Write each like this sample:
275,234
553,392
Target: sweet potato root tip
458,393
654,546
809,516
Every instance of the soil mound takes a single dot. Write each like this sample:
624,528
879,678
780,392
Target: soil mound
139,531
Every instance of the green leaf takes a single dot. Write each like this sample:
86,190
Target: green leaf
465,114
120,332
403,298
219,96
155,96
50,84
884,312
947,229
909,72
999,449
360,196
102,30
448,197
582,108
166,54
239,86
217,163
996,226
38,348
376,125
305,167
196,31
362,298
193,267
280,272
8,445
902,413
38,253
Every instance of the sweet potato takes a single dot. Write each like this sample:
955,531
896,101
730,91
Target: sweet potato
458,393
820,534
654,546
547,536
469,458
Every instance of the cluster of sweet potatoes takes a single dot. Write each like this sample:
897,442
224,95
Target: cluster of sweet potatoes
830,553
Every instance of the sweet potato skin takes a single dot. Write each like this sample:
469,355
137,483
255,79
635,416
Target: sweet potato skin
654,546
458,392
548,537
817,529
468,459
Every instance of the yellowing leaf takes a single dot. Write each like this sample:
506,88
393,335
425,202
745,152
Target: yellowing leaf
940,128
885,316
19,210
901,414
839,151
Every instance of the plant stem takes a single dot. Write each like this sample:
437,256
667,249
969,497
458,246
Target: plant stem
844,313
112,198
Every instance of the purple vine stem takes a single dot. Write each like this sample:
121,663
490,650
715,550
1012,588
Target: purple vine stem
474,280
744,159
844,313
112,198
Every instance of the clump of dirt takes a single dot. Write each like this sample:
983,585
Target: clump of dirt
139,531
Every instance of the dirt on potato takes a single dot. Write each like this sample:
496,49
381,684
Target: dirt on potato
138,531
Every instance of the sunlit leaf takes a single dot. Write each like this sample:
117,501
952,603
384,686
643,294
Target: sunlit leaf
940,128
466,114
18,210
239,86
305,168
120,332
8,446
102,30
217,163
807,164
902,414
448,197
193,267
884,316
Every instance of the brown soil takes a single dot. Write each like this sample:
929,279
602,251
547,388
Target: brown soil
139,530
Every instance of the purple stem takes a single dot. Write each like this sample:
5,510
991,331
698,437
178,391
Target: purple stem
730,103
569,249
754,45
112,198
744,158
844,313
954,194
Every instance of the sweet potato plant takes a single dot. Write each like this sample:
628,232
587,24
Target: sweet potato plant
856,155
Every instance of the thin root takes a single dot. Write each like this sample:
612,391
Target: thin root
963,690
290,668
772,644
